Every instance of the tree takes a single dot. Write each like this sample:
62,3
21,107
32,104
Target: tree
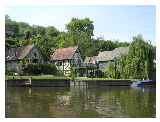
81,25
51,31
27,34
107,45
81,32
11,28
24,29
138,64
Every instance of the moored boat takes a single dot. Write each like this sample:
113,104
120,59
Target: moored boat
143,83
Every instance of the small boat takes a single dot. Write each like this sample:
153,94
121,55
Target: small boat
143,83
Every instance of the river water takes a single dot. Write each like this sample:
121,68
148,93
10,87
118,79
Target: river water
80,102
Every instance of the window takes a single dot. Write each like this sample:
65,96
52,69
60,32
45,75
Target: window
59,63
35,61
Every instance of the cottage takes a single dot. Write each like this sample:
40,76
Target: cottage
106,57
15,57
66,58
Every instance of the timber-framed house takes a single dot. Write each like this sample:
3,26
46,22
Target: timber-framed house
67,58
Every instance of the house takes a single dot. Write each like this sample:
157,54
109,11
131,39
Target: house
91,60
66,58
99,63
106,57
91,67
16,57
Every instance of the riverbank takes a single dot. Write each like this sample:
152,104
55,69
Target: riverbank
52,77
38,77
103,79
38,81
50,80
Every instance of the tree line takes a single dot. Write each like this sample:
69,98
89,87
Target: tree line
79,32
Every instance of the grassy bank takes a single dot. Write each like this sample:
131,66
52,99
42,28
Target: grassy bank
39,77
101,79
52,77
55,81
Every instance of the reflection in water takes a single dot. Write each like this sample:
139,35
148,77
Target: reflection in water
80,102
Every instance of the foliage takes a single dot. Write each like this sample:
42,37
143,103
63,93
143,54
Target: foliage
112,71
78,26
80,32
72,75
21,34
138,64
47,39
9,72
40,69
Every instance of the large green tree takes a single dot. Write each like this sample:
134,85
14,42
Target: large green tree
81,32
139,63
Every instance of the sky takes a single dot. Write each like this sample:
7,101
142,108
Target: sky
115,22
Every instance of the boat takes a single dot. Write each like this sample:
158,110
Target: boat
143,83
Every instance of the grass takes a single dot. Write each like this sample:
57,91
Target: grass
86,78
38,77
52,77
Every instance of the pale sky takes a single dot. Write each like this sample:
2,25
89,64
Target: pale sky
110,22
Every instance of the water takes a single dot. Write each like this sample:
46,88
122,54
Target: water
80,102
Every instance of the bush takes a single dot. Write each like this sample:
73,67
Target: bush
40,69
9,72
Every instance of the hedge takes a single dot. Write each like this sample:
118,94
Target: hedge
40,69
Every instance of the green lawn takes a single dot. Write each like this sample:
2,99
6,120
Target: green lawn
52,77
41,77
86,78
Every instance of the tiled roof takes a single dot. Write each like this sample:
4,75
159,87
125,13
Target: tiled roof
63,53
110,55
17,53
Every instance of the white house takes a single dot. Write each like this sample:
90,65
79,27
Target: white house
66,58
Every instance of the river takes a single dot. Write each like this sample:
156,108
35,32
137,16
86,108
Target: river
80,102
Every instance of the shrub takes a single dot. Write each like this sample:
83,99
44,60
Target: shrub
40,69
7,72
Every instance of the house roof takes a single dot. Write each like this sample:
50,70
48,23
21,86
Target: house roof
110,55
18,53
63,53
91,60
